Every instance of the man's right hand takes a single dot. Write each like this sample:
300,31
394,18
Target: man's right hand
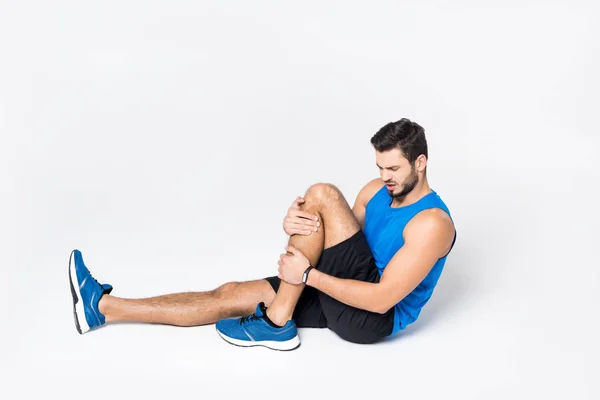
300,222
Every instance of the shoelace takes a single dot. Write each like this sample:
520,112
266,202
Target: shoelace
97,283
94,279
248,318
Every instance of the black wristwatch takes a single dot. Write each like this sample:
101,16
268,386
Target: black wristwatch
305,275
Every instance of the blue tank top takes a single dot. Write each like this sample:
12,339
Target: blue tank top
383,230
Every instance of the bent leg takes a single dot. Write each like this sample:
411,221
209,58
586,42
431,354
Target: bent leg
338,224
345,254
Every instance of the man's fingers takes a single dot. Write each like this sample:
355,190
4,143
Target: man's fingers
304,214
296,204
303,232
301,223
303,229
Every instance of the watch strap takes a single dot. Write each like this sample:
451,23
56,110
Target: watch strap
305,274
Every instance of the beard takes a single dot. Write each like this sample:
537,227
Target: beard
408,186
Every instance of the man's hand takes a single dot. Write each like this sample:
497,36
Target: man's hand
291,267
300,222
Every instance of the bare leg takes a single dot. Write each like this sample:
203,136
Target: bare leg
233,299
236,299
338,224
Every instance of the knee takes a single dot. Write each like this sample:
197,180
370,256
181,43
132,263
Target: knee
226,290
322,191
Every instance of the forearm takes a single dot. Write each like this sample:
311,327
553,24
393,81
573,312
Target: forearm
359,294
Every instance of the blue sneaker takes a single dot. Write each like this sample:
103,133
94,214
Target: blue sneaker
258,330
86,293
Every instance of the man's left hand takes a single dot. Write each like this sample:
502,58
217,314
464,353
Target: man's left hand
292,266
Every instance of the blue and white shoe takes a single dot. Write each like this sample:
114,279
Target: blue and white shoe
258,330
86,293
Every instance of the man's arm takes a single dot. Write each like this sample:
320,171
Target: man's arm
363,198
427,237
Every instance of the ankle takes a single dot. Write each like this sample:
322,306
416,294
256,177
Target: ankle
104,305
277,317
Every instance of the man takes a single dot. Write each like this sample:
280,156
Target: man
364,272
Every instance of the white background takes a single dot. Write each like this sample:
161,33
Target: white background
165,140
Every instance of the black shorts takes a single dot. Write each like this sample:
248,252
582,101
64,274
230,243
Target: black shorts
350,259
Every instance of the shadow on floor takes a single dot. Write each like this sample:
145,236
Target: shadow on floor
449,294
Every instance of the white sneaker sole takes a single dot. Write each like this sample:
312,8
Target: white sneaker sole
78,310
271,344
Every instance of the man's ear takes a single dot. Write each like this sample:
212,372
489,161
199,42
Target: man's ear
421,163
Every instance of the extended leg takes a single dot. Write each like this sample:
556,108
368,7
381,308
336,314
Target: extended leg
232,299
93,306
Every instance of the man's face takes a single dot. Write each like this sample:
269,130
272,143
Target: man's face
397,173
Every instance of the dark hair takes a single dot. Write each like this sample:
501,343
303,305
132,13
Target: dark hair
404,134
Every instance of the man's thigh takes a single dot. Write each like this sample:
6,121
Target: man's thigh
353,259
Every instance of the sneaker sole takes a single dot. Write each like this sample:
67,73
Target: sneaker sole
287,345
78,310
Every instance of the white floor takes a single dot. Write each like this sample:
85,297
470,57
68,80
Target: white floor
166,143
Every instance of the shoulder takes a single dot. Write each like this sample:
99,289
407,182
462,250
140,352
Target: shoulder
433,228
369,190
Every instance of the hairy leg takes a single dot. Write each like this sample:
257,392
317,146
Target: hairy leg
233,299
236,299
338,224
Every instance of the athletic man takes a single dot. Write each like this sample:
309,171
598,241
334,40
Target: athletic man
364,272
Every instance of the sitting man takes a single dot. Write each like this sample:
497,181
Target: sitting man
363,272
